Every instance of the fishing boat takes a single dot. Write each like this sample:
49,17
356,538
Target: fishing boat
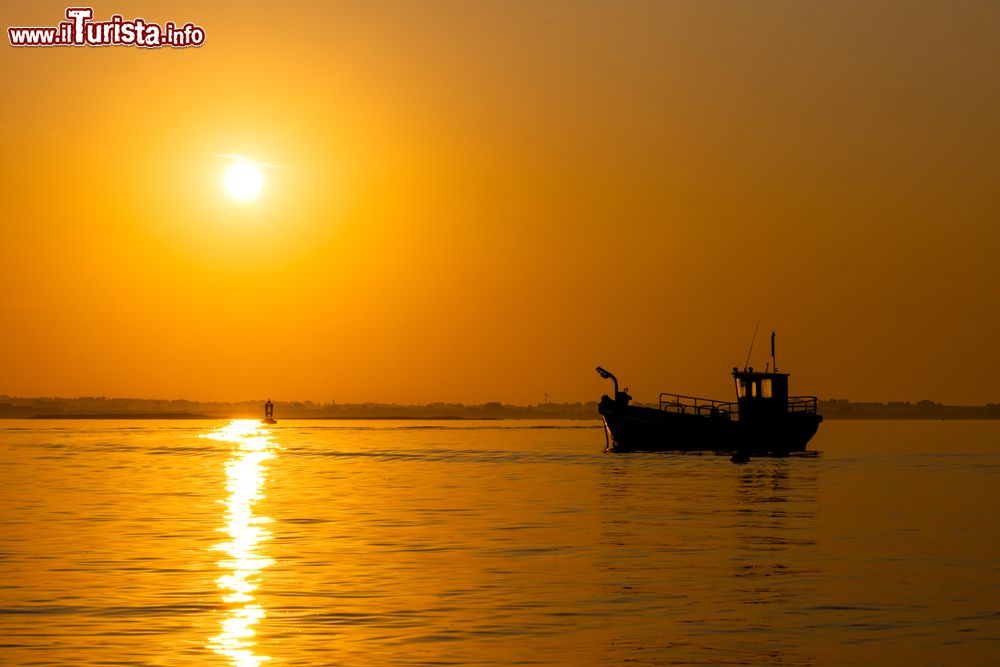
269,413
763,420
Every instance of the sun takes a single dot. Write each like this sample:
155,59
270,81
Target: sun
243,180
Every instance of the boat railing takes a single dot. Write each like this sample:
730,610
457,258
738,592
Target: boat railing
802,404
705,407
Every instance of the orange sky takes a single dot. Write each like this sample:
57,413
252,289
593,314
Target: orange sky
482,201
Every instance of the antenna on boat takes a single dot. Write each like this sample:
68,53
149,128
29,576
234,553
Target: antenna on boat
752,341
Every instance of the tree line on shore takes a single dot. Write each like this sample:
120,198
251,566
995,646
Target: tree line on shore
133,408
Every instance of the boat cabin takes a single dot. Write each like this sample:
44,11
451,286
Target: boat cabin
761,395
764,396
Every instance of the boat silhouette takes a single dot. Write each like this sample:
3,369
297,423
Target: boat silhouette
763,420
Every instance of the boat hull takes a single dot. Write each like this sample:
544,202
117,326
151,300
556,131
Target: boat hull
639,429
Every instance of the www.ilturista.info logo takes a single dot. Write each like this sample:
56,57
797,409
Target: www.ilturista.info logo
80,30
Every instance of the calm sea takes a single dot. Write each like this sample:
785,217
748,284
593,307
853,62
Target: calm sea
492,543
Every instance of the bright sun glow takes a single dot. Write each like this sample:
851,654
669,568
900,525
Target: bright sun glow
243,180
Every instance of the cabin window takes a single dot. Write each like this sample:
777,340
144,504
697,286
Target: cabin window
753,390
741,388
765,388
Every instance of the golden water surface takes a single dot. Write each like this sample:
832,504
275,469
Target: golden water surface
492,543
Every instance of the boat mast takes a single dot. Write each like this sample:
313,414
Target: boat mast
774,363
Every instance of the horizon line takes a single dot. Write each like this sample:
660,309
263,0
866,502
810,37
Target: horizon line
8,397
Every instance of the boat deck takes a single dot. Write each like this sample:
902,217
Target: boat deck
709,407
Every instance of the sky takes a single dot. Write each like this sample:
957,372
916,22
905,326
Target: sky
482,201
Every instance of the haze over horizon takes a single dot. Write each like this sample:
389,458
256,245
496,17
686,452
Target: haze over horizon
482,202
280,401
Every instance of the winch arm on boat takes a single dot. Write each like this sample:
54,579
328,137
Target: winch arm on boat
620,396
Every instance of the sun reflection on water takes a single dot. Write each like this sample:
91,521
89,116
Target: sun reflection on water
245,478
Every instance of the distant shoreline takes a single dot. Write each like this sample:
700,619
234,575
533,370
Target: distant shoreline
126,408
97,416
182,416
122,415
